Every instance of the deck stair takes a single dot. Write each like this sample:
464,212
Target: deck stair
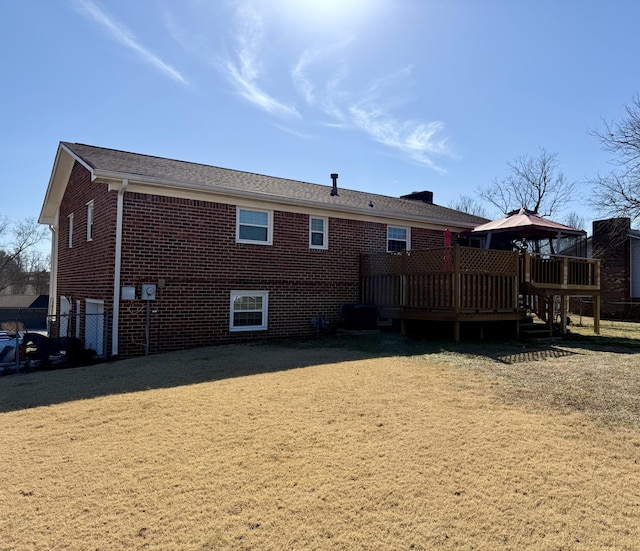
531,329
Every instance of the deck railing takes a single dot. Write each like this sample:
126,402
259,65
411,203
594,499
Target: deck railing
562,273
463,279
449,278
466,284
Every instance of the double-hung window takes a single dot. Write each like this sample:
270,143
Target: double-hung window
318,232
398,239
90,220
70,225
254,226
249,310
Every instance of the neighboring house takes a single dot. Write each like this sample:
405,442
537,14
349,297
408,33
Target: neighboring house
618,248
30,311
152,254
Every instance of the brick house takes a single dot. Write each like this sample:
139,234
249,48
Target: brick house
618,248
151,254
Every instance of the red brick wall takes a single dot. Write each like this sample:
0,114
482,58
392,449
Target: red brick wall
86,270
611,245
188,248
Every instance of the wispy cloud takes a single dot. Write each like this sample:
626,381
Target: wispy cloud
244,69
294,132
372,111
122,35
321,81
327,96
416,140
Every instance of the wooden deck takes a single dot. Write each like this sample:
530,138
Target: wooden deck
462,284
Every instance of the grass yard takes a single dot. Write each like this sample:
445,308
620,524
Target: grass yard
370,442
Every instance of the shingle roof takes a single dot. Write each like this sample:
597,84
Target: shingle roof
24,301
524,221
103,160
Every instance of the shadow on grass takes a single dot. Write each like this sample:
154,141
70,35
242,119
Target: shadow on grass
215,363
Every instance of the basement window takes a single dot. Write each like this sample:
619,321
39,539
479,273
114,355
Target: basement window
254,226
249,310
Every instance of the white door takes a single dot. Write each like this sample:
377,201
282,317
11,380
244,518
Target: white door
94,326
65,313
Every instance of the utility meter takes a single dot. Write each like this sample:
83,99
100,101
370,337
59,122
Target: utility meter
148,291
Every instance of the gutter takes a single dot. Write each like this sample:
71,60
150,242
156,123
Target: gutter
210,191
117,269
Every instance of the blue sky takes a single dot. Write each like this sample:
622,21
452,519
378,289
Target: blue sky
394,95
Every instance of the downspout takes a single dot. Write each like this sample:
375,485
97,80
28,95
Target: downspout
53,274
117,268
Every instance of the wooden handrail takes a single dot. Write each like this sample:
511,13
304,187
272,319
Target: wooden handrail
564,272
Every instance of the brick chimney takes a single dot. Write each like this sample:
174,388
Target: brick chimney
424,196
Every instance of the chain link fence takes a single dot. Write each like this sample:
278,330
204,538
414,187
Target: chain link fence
30,338
89,329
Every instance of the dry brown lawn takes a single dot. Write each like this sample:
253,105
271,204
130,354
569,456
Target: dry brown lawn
340,443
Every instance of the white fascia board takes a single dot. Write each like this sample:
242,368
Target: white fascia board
62,166
81,161
170,188
57,184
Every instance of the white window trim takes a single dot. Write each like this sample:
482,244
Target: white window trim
269,214
70,219
90,220
265,310
408,229
325,232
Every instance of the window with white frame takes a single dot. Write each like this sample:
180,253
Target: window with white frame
70,225
90,220
318,232
254,226
398,239
248,310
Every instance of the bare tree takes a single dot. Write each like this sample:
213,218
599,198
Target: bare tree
467,204
617,193
534,183
574,220
16,244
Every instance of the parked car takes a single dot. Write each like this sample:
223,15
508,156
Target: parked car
37,351
50,352
10,344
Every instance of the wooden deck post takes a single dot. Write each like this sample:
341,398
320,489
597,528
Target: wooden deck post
456,280
527,268
563,313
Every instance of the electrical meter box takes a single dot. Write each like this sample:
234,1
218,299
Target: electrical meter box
128,293
148,291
